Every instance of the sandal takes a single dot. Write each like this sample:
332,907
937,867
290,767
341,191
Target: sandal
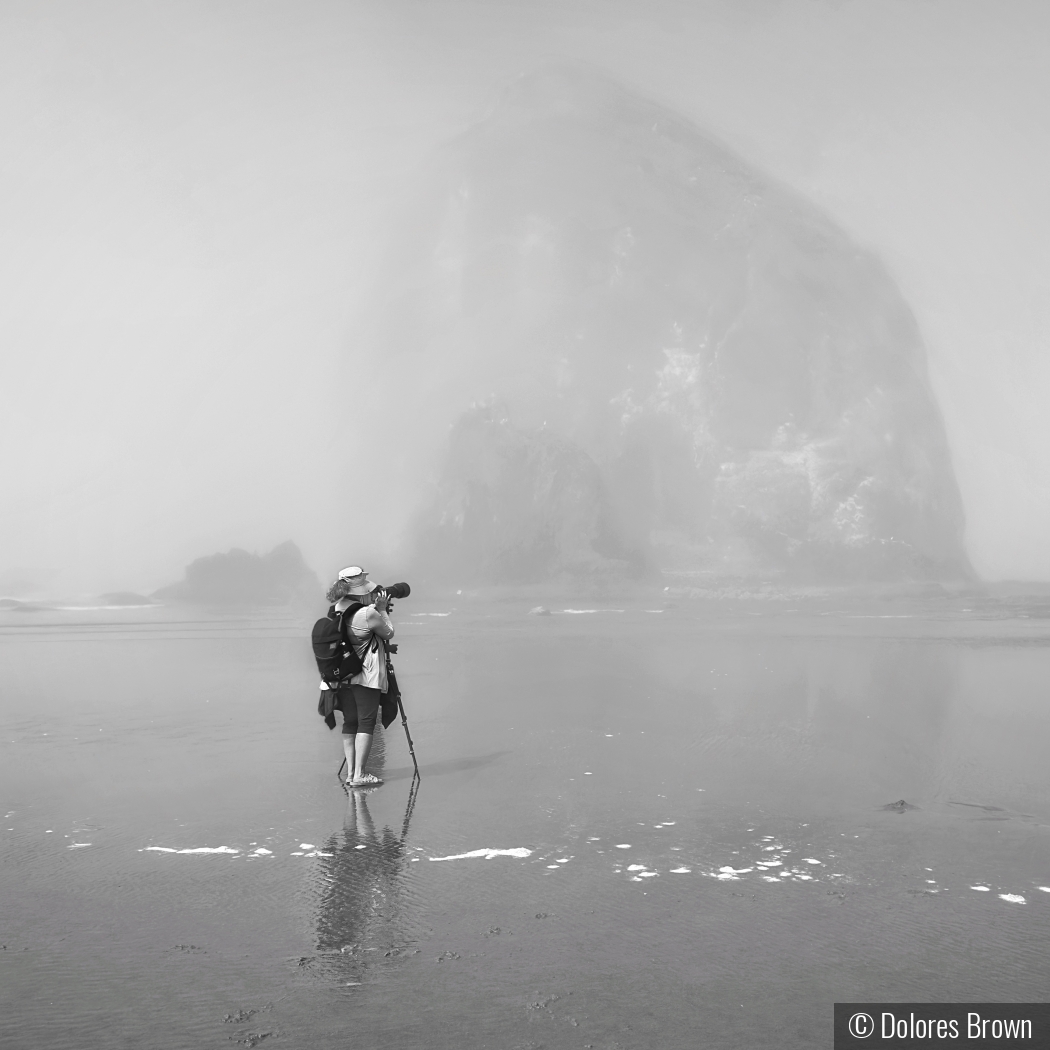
366,780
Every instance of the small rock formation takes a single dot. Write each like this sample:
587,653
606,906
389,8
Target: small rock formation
237,578
14,605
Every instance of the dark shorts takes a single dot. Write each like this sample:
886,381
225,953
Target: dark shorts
360,706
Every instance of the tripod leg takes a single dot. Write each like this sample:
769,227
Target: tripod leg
408,735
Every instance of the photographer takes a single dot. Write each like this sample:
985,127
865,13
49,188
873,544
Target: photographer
369,631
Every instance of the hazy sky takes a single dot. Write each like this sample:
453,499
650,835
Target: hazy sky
194,197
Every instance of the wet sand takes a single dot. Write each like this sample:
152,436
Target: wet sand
667,826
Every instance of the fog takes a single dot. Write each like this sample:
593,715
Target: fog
206,211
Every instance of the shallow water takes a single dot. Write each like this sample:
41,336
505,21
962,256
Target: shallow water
701,792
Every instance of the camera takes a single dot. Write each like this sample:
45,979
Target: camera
395,590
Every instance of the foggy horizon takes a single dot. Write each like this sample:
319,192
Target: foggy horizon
200,203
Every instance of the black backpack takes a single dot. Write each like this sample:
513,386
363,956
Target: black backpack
335,656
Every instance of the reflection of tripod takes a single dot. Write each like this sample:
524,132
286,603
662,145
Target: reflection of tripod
394,690
408,809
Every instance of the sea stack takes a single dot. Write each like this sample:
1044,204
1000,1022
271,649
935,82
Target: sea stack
659,358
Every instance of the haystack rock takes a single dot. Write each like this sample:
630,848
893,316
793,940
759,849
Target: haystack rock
659,357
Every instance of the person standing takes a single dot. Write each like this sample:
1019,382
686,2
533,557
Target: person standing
369,631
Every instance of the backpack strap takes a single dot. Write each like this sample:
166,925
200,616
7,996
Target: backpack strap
340,620
369,639
345,618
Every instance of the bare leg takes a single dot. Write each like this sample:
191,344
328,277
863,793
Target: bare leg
364,745
348,754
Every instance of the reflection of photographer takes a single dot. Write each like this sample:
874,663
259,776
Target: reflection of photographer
363,611
364,916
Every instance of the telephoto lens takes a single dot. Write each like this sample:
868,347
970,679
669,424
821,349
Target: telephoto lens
398,590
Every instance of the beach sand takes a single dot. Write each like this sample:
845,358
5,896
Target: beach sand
661,824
